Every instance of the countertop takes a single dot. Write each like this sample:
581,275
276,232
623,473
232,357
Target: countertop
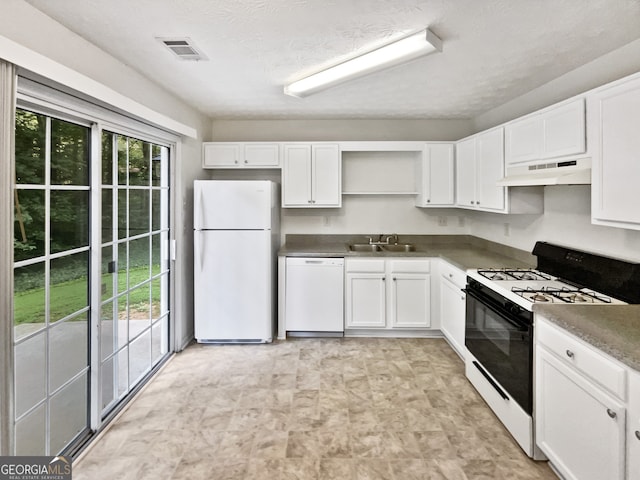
614,329
463,251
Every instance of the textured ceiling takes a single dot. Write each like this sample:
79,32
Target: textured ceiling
493,50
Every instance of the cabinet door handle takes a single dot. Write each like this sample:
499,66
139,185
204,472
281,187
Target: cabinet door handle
472,202
451,275
394,279
638,434
383,279
246,161
477,203
611,413
428,201
570,354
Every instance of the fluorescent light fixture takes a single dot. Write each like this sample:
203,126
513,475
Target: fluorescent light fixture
401,51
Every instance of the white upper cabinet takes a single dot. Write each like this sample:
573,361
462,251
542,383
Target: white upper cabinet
466,173
564,130
614,135
311,176
523,140
479,166
490,169
555,132
436,176
240,155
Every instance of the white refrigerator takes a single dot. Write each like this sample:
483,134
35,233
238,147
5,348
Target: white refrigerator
236,236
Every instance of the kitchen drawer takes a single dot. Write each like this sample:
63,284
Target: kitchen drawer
453,274
364,265
584,358
409,266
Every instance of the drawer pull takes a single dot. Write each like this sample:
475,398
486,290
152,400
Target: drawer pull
570,354
611,413
638,434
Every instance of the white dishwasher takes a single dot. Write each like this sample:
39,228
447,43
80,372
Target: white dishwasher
314,296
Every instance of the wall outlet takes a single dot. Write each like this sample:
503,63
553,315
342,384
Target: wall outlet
507,230
326,220
442,221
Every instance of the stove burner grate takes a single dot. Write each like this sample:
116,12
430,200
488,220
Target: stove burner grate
499,274
563,294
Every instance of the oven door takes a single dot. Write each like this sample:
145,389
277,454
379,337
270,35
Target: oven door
500,336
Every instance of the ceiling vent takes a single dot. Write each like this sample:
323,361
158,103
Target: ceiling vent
183,48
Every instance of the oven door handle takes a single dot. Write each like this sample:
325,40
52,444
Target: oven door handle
522,327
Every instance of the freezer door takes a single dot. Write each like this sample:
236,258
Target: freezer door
232,205
233,286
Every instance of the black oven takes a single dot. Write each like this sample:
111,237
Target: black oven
499,334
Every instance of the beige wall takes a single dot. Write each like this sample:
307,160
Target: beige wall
343,129
566,221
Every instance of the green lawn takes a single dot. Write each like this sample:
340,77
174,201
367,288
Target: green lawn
71,296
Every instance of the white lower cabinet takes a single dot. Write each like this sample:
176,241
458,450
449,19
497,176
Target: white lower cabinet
366,299
387,293
633,430
579,425
453,306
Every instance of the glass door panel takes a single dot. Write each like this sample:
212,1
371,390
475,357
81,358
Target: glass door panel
51,286
135,249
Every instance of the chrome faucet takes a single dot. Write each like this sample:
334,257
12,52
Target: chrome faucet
386,241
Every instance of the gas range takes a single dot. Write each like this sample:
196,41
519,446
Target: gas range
499,322
526,286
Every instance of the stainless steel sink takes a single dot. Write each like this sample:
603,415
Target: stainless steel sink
364,247
368,247
399,247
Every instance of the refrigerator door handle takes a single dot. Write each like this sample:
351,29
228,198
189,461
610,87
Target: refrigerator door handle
200,209
198,250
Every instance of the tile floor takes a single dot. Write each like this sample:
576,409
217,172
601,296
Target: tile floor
310,409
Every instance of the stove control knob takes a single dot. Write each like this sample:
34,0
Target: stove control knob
513,308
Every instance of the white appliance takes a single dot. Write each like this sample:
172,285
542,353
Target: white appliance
236,236
499,330
315,301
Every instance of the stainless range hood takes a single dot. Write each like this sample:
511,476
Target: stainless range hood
575,172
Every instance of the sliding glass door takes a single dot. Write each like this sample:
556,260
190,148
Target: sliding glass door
74,325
